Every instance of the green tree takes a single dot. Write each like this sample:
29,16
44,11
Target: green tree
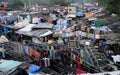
60,2
100,2
16,4
113,6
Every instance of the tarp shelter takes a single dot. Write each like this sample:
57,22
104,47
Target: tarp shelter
99,22
43,26
79,14
32,33
46,33
7,65
21,24
27,28
10,20
102,28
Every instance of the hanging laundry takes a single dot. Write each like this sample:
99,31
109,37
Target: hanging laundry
54,53
80,34
48,59
26,49
79,72
79,65
48,47
77,58
46,62
52,47
64,34
50,53
34,53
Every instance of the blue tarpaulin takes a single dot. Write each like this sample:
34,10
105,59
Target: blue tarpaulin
11,19
79,14
7,65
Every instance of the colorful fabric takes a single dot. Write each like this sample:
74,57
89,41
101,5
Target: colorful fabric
34,69
34,53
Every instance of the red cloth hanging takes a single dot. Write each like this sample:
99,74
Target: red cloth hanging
79,71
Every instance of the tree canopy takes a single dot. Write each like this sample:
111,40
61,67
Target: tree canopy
16,4
60,2
101,2
48,2
113,6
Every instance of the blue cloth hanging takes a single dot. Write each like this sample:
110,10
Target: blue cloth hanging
5,28
64,35
54,53
34,69
50,53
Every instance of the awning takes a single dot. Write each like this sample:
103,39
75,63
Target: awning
27,28
21,24
92,19
47,33
35,33
102,28
44,26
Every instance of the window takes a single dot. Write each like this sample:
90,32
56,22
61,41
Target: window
70,9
